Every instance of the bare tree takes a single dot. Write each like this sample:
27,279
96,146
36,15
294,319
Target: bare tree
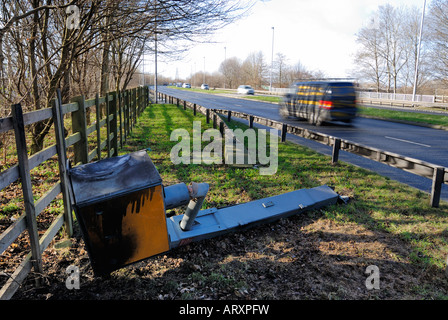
388,48
437,36
411,35
231,68
298,72
254,70
39,51
280,69
368,58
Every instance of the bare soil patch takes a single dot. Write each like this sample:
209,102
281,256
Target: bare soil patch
301,257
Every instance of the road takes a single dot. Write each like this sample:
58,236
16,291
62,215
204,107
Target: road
413,141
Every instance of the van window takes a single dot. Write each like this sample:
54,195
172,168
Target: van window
342,89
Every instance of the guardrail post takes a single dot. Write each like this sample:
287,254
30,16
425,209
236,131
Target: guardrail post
251,121
194,109
436,189
207,115
336,148
284,130
229,115
185,105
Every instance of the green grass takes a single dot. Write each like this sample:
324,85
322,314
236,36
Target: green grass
405,116
378,203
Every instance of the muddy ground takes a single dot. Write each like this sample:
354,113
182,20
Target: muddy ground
302,257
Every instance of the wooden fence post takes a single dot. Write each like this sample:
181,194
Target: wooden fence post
194,109
123,113
207,115
140,100
130,110
58,120
114,123
24,171
79,124
437,181
119,99
229,115
135,107
126,115
97,125
108,144
138,103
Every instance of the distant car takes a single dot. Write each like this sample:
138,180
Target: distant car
186,85
245,89
204,86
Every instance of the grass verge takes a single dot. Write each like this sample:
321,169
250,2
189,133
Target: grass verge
322,254
378,204
433,119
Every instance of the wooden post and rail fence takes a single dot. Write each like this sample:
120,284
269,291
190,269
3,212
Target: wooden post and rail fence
121,112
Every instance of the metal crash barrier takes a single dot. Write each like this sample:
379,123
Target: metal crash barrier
120,204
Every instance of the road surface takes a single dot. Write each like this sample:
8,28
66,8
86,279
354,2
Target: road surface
421,143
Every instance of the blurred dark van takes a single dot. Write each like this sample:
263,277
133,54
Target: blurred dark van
320,101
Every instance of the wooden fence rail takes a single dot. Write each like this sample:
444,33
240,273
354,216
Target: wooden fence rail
436,173
121,112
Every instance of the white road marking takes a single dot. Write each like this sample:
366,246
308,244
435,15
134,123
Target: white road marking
402,140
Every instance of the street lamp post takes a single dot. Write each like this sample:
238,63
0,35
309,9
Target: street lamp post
272,60
155,52
143,60
418,52
225,58
204,72
155,67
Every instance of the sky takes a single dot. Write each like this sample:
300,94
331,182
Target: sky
320,34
